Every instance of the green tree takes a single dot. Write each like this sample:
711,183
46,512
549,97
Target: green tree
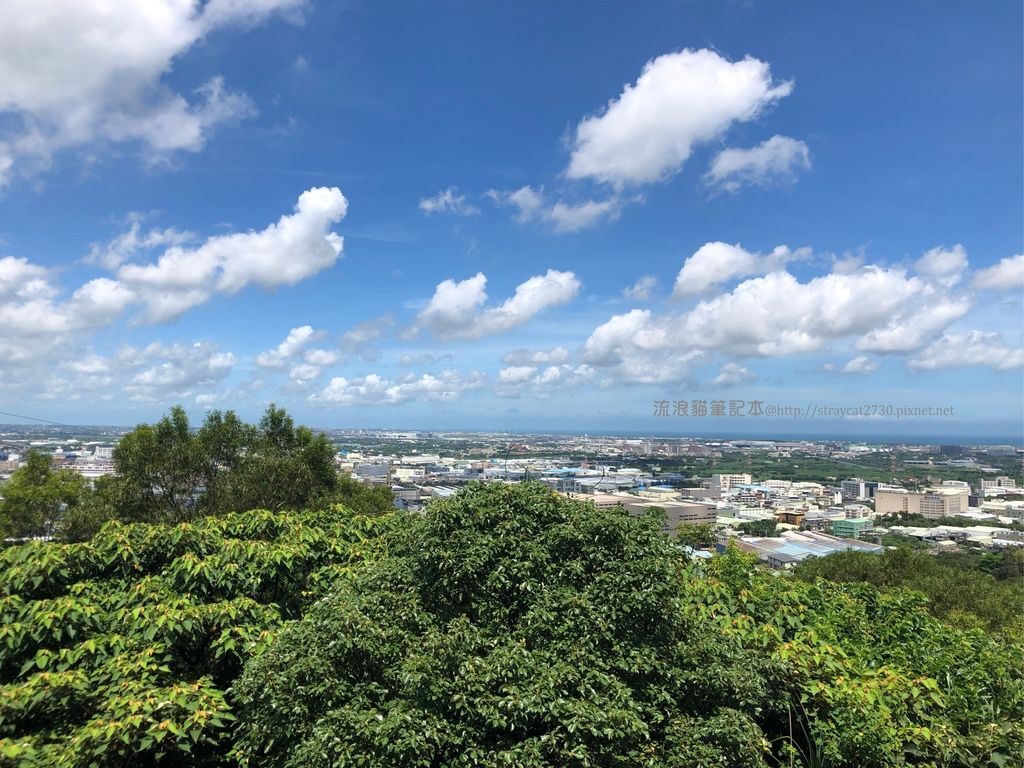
508,626
284,467
162,470
36,497
699,536
167,472
765,528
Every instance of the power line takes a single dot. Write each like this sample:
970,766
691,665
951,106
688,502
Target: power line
33,418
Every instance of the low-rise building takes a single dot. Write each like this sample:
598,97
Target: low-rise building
851,528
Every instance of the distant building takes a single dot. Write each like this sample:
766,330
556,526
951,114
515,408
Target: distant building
855,488
1000,483
791,547
954,451
852,528
932,503
676,512
721,483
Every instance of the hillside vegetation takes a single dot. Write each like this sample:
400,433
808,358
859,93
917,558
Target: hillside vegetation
505,626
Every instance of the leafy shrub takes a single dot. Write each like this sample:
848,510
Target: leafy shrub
120,651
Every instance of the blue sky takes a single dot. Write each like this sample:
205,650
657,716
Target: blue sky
552,215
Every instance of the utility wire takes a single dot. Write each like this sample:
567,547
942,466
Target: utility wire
33,418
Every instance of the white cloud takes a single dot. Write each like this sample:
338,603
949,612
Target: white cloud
861,364
774,161
879,310
680,100
1007,275
642,289
358,340
35,322
376,390
573,217
304,374
113,254
635,347
294,248
914,326
424,358
293,343
321,357
526,200
528,357
733,373
174,370
517,381
717,262
941,261
456,309
561,216
973,348
82,74
447,201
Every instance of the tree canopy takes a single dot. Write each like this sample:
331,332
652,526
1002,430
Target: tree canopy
510,626
37,497
122,650
169,472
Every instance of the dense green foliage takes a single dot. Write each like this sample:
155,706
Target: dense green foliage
120,651
953,592
509,626
169,473
870,677
766,528
37,498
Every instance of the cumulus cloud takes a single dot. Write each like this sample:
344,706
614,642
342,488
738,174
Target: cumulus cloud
680,100
175,370
294,248
774,161
860,364
128,244
642,289
82,75
636,347
293,343
456,310
877,309
530,357
973,348
912,327
717,262
1007,275
541,382
733,373
531,205
941,261
447,201
377,390
36,322
306,363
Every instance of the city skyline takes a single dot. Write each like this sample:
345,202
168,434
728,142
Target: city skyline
513,217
